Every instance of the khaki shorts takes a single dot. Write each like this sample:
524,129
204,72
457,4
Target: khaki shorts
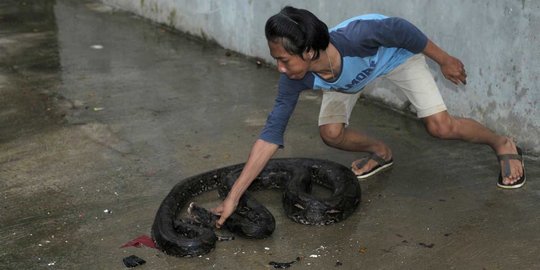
412,77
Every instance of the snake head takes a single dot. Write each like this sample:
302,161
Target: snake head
202,216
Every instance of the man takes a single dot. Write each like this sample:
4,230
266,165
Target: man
341,63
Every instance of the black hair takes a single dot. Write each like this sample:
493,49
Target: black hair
299,31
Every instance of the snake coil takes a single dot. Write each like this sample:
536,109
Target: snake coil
295,176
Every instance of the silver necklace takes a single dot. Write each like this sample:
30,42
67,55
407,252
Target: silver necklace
330,62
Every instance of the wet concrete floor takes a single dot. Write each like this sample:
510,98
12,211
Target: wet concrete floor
102,113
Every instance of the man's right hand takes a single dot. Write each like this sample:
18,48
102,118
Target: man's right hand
225,210
260,153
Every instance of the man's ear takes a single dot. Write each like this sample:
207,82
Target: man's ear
309,54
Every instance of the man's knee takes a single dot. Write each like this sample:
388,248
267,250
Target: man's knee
332,134
441,126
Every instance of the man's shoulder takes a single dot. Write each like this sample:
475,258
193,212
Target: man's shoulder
364,17
371,16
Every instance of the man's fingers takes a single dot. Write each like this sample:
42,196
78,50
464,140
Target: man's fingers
463,76
454,80
217,210
220,222
457,79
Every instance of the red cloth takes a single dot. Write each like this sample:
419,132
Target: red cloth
143,240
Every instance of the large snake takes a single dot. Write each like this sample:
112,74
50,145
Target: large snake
295,176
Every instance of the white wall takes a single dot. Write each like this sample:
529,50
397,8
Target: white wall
496,39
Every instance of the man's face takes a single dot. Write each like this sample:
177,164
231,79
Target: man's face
291,65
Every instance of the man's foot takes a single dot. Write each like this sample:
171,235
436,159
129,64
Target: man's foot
372,164
511,169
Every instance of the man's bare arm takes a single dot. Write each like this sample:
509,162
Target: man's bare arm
451,67
260,154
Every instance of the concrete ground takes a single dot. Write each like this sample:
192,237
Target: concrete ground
102,113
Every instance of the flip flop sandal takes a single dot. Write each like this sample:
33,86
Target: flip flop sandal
381,165
507,171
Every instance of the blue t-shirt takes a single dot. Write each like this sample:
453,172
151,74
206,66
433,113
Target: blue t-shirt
370,46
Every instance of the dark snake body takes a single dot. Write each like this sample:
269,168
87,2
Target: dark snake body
295,176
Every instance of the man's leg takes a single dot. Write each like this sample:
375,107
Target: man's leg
416,81
334,116
443,125
338,136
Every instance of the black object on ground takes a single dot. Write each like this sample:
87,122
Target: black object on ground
426,245
281,265
133,261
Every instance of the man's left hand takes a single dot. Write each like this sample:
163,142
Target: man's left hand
454,70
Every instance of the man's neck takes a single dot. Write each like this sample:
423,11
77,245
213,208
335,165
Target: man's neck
328,66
